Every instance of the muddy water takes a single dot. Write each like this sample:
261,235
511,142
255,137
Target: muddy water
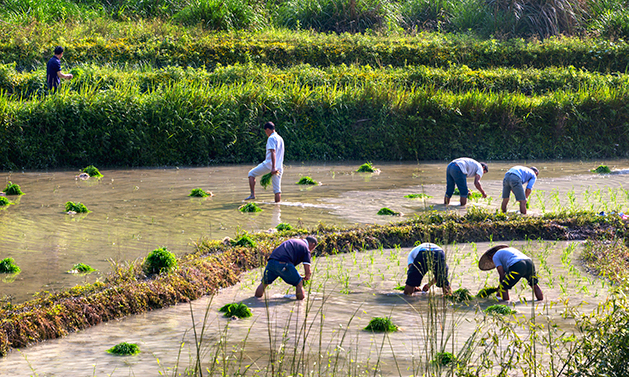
136,211
326,330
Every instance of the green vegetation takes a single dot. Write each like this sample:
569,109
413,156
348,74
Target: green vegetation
418,196
76,207
4,201
399,288
379,324
461,295
12,189
306,181
8,266
367,167
265,181
486,292
384,211
249,207
444,358
159,261
124,349
239,310
283,226
82,268
93,171
199,193
602,169
245,241
499,309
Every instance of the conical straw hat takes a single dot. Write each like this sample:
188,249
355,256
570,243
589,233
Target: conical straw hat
486,262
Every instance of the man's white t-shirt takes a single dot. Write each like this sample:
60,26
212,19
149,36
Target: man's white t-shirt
469,167
275,142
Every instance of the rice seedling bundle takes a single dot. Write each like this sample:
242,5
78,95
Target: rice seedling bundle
13,189
380,324
159,260
93,171
76,207
283,226
499,309
387,212
367,167
124,349
239,310
4,201
249,207
8,266
265,181
198,193
306,181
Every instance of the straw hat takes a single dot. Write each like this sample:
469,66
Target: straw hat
486,262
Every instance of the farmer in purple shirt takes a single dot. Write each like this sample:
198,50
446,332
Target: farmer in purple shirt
53,70
514,180
282,264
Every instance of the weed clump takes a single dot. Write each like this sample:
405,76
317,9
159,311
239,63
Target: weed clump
418,196
82,268
159,260
367,167
443,358
8,266
283,226
602,169
239,310
199,193
379,324
499,309
306,181
249,207
245,241
461,295
486,292
4,201
76,207
265,181
92,171
13,189
124,349
387,212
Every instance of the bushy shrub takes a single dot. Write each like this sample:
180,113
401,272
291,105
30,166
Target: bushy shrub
239,310
124,349
8,266
220,15
431,15
76,207
13,189
379,324
159,260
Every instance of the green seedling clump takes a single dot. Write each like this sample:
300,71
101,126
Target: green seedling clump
82,268
239,310
461,295
8,266
199,193
283,226
499,309
379,324
470,194
486,292
306,181
417,196
244,241
76,207
93,171
160,260
399,288
443,358
602,169
367,167
387,212
265,181
124,349
249,207
4,201
13,189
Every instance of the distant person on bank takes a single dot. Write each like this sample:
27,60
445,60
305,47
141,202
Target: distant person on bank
53,70
512,265
421,259
514,180
282,264
457,173
273,163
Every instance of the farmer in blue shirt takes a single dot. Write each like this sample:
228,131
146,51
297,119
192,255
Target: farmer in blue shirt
512,265
282,264
514,180
422,259
53,70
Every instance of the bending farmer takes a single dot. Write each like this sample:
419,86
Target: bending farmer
423,258
512,265
282,264
457,173
514,180
272,164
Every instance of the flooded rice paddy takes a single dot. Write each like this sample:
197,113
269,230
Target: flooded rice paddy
135,211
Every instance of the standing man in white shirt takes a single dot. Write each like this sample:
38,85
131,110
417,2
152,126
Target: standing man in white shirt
457,173
514,180
273,163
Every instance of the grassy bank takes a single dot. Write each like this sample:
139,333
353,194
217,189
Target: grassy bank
214,265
